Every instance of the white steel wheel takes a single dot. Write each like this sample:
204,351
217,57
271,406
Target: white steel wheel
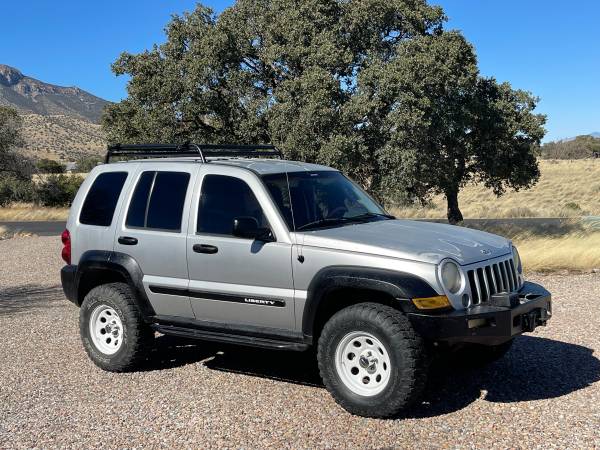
363,364
106,329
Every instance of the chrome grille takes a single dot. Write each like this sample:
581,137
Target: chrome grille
485,281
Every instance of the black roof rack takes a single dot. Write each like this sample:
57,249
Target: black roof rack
203,151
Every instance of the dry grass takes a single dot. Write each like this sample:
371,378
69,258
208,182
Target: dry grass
573,245
575,251
18,212
565,189
38,177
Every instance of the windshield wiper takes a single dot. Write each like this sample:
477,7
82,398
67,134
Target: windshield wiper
369,215
326,221
341,220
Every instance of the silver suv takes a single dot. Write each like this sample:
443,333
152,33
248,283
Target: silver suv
227,243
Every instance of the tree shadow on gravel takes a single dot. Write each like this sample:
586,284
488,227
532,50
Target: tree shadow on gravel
21,299
535,368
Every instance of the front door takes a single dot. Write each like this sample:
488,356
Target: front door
235,280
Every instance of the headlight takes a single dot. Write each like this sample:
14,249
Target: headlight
517,259
451,278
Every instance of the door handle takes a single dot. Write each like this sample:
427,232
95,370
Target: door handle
126,240
203,248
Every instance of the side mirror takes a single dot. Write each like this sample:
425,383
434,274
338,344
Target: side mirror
247,228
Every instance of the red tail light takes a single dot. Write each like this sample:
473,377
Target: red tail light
65,237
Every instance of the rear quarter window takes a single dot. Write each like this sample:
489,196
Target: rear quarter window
101,200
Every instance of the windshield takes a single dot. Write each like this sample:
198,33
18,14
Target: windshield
321,199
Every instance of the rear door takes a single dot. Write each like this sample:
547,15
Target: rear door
234,280
152,229
94,212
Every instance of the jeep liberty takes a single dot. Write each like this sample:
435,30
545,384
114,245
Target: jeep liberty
234,244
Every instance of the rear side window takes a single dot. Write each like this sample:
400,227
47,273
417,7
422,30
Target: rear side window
158,201
100,203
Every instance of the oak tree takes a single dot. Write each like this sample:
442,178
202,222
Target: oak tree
376,88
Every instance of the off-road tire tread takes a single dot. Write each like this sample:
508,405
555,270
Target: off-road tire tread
400,332
140,336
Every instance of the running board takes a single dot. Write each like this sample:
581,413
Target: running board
229,338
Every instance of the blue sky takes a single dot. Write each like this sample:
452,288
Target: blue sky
550,47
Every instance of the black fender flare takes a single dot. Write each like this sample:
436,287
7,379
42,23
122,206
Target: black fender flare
399,285
121,263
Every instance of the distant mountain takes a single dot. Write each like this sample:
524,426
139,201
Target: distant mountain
29,95
58,122
595,134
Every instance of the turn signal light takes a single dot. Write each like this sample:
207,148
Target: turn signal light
439,301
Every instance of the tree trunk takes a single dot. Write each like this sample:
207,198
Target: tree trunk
454,214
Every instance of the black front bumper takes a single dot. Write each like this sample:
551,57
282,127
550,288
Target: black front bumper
488,324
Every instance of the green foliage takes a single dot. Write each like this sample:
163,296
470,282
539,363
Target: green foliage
448,126
578,148
57,190
14,189
11,162
50,166
87,163
375,88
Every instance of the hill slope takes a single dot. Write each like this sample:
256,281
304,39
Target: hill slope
61,137
565,189
29,95
579,147
59,123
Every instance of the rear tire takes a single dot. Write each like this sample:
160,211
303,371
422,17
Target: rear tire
112,330
371,360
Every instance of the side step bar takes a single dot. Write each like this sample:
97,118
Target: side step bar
229,338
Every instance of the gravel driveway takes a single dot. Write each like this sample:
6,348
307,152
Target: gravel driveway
545,393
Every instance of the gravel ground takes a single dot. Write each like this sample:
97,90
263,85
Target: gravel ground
544,393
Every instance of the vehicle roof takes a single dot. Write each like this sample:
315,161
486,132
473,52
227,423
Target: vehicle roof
261,166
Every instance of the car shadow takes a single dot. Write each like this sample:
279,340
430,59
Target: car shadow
21,299
535,368
286,366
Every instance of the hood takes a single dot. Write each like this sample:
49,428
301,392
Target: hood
412,240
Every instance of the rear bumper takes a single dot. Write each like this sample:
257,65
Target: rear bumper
488,324
68,275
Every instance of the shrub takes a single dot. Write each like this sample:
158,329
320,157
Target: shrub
573,205
13,189
57,190
50,166
87,163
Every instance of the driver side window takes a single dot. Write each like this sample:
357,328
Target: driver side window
222,199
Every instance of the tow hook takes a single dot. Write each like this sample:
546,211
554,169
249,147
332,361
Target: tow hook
535,318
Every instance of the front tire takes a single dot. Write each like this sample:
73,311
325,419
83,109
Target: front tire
371,360
112,330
